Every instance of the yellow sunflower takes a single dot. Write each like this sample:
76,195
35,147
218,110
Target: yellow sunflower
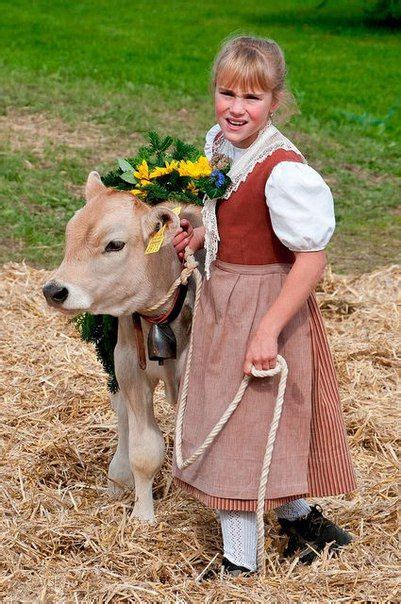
197,169
139,193
191,187
161,171
142,173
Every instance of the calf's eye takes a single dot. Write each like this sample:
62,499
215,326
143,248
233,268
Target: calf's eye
114,246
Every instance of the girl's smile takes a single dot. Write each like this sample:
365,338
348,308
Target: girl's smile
241,115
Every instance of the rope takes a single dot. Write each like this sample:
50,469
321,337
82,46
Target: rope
282,368
190,265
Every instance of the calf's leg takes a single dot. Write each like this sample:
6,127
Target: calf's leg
120,472
142,441
146,448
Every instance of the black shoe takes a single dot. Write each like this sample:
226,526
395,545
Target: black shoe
234,570
227,568
311,534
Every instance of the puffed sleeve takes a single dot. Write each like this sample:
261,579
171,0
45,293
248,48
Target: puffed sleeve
209,140
301,207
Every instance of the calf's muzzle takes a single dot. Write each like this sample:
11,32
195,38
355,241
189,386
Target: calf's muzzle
54,292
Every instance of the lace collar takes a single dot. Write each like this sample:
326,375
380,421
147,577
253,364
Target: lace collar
269,140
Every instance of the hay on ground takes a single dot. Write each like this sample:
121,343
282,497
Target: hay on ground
64,540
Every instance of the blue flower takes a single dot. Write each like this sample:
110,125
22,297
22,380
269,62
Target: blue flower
217,177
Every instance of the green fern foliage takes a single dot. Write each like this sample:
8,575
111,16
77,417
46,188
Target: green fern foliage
102,331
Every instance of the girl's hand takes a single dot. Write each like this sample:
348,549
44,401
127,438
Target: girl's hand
261,352
187,235
183,237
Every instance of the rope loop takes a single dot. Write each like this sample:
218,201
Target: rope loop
189,266
261,373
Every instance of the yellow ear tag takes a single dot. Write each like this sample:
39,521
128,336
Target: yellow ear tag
155,241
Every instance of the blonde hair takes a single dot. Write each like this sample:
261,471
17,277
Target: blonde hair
254,64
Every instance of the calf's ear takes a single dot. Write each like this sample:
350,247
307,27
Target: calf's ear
94,186
157,218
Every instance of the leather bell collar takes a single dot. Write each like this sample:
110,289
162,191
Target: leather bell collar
165,318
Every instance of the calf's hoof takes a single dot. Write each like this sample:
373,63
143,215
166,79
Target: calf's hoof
144,513
116,489
120,478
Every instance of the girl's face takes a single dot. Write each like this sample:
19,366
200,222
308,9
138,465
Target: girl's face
242,114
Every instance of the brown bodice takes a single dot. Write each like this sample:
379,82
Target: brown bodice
245,228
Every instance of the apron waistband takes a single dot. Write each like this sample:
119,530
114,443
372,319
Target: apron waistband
252,269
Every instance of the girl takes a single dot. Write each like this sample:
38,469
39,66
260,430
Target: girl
264,254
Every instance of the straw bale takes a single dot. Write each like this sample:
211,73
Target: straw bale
65,540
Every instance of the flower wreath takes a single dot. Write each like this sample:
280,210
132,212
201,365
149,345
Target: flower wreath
169,169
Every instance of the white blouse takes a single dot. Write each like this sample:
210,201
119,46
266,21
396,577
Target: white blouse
300,203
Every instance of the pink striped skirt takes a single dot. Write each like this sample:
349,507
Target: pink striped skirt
311,456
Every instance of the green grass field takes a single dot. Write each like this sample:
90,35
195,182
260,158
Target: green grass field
83,81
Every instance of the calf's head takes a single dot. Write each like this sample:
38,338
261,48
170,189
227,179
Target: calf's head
105,269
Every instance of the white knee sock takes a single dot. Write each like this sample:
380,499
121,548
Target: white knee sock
293,510
239,537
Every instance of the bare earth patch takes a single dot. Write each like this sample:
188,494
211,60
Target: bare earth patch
64,540
25,131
